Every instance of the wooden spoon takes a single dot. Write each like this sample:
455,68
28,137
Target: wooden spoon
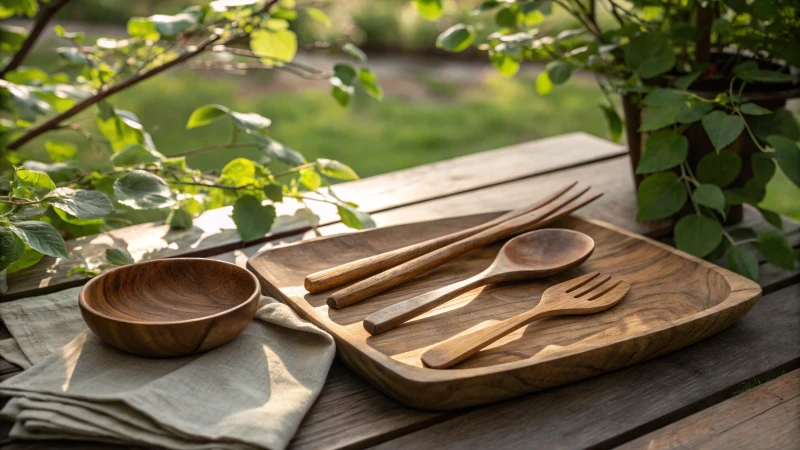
536,254
527,222
364,267
572,297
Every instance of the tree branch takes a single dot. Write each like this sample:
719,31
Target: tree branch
38,27
54,122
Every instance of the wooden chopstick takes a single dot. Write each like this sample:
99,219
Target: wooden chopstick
364,267
410,269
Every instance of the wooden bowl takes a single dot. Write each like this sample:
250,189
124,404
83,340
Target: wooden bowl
170,307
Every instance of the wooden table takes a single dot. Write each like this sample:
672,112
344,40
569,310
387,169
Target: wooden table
682,399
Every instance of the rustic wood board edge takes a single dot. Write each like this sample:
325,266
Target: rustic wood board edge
404,382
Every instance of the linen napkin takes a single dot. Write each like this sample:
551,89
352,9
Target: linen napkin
250,393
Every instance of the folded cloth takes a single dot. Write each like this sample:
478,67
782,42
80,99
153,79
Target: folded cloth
250,393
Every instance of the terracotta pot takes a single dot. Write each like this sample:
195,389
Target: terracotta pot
699,144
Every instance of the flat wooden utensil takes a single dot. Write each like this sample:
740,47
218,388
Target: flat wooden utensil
536,254
410,269
361,268
589,294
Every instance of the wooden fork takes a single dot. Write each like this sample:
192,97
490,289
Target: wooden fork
587,294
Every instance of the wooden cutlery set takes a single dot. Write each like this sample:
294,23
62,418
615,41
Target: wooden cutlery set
534,253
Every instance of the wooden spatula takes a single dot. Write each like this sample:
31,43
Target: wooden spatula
588,294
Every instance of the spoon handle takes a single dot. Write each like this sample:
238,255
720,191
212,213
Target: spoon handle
459,348
387,318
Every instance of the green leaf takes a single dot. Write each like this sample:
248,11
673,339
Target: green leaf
430,9
80,203
120,127
274,192
29,258
763,168
743,262
722,129
135,154
692,110
354,218
282,153
507,64
355,52
697,235
754,110
179,219
752,193
456,38
766,76
310,178
250,122
119,256
341,92
659,196
336,169
85,271
559,71
204,115
781,122
544,85
719,168
663,150
776,250
345,72
274,47
253,220
369,82
60,151
787,154
143,190
37,182
239,172
320,16
94,224
686,80
710,195
614,122
11,248
171,26
144,28
772,218
506,17
41,236
650,54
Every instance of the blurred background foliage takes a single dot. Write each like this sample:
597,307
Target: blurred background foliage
438,105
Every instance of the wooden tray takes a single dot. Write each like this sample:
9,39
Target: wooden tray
675,300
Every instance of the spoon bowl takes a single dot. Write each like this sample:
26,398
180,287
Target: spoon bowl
537,254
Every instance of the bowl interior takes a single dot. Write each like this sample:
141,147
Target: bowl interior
169,290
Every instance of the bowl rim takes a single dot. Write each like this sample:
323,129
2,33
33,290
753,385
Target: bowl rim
86,307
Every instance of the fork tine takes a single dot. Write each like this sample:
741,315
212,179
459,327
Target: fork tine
600,281
617,289
580,281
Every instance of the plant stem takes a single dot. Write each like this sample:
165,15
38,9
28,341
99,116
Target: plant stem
689,189
38,27
294,169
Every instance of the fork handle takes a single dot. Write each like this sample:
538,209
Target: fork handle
390,317
459,348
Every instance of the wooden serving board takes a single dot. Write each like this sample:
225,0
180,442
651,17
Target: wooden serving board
675,300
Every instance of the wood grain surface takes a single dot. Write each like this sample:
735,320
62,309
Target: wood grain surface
764,417
214,231
675,300
170,307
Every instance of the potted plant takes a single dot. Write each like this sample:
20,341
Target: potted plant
703,86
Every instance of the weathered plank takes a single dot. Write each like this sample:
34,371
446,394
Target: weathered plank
612,409
767,416
213,232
